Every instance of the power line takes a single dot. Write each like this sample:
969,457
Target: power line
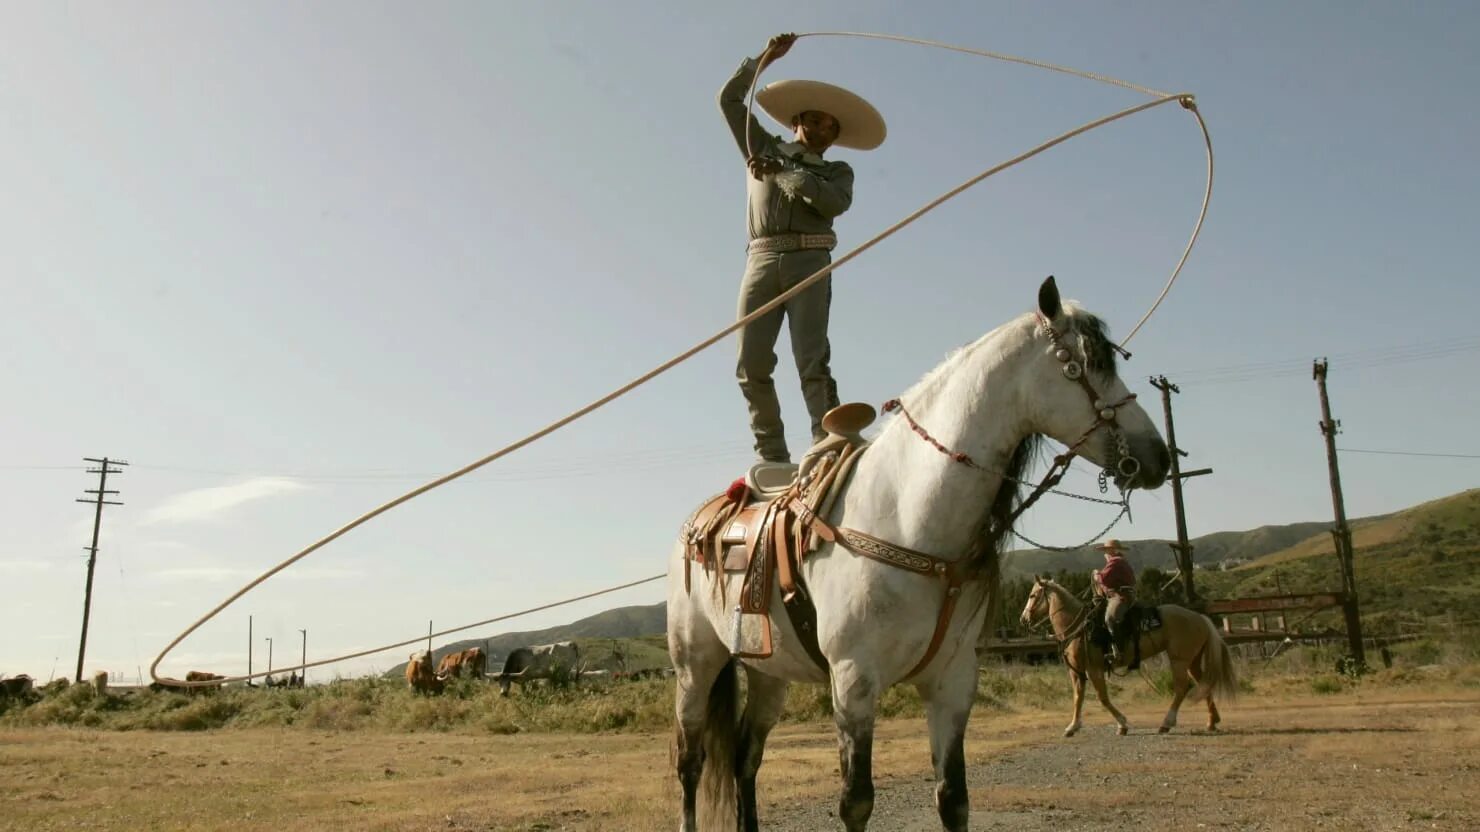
1407,453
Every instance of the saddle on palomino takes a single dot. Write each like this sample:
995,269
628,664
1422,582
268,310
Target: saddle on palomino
1140,618
761,527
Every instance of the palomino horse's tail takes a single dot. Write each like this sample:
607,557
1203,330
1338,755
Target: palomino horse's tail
1219,675
721,734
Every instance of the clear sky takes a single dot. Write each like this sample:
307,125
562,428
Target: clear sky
293,260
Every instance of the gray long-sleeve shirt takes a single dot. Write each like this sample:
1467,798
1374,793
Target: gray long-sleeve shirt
808,193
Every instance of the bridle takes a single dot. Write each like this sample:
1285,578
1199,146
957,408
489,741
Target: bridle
1106,414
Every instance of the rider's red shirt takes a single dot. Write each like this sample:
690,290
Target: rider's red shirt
1117,573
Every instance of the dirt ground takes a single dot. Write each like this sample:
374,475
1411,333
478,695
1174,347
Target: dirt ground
1396,760
1346,766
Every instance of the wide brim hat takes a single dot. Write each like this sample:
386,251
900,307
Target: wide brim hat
1111,545
860,125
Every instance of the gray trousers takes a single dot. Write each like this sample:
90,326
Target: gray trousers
767,275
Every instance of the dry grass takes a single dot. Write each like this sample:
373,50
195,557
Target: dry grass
466,775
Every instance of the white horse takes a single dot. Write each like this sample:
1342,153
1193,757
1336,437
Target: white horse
937,496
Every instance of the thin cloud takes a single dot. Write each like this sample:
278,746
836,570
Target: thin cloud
205,503
24,566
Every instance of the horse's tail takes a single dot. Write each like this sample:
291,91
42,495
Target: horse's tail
1219,674
721,737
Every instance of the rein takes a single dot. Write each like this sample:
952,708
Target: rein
1077,630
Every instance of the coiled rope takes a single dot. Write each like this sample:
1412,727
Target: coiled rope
1187,101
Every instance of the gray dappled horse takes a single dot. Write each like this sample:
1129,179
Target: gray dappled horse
930,486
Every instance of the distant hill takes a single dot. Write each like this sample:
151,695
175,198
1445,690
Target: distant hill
619,623
1209,549
1413,565
1421,562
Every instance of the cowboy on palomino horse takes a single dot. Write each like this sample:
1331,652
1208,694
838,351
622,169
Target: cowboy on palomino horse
1115,588
793,196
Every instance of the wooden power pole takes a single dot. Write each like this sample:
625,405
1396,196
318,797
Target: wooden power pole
1342,534
1182,548
99,499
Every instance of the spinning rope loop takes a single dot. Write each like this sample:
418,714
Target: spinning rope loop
1186,100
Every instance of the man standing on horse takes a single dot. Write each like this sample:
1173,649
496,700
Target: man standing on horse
794,195
1116,583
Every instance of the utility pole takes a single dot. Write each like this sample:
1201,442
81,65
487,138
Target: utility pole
1182,548
103,470
303,671
249,651
1342,534
429,638
269,658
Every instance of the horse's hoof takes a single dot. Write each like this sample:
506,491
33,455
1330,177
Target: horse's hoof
1163,729
1122,730
1069,732
1213,728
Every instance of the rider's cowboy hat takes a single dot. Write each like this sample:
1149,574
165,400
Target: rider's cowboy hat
859,125
1112,545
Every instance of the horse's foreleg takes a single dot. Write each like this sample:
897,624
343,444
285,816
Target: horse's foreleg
1076,679
948,707
1181,683
764,702
1097,677
855,700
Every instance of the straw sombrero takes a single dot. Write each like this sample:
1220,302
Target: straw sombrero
860,125
1111,545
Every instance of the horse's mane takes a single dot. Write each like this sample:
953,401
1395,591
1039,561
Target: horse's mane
1091,331
1099,355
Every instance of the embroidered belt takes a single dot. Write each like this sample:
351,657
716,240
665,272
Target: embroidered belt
793,242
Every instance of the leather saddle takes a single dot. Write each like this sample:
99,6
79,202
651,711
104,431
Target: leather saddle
757,533
1140,618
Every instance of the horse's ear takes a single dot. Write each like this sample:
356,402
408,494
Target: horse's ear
1048,299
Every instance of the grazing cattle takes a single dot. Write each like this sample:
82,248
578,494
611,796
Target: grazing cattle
16,686
202,676
100,682
543,662
419,675
473,660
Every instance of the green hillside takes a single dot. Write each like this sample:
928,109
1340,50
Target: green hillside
1418,564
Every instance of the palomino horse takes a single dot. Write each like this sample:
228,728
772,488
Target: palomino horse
1194,649
940,502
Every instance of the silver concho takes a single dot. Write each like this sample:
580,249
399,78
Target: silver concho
1107,413
1072,370
1061,354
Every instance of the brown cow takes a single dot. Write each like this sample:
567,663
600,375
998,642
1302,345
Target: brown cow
16,686
202,676
419,675
472,659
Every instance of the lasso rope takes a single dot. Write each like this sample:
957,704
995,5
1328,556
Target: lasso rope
1160,98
